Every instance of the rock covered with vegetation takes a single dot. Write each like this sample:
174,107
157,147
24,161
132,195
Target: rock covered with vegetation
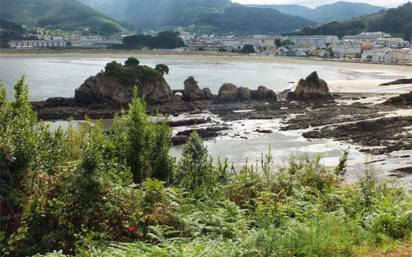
310,88
82,192
114,85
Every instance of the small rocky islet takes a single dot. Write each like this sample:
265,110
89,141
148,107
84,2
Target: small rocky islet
311,106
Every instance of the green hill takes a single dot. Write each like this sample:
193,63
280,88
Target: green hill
58,14
216,15
240,19
338,11
9,31
396,21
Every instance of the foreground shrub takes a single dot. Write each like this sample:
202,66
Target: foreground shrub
86,192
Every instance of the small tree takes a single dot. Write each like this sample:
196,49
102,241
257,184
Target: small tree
132,62
113,68
162,68
196,171
248,49
278,42
144,146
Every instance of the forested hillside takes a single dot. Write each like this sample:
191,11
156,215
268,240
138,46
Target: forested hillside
219,16
396,21
58,14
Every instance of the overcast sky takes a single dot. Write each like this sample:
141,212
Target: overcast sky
314,3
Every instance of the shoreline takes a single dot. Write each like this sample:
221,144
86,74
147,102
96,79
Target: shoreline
99,53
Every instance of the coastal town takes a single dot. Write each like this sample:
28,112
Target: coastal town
372,47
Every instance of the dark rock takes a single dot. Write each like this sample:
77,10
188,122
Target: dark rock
244,94
59,101
402,172
262,93
180,140
192,91
205,133
264,131
207,94
403,99
397,82
191,122
228,93
311,88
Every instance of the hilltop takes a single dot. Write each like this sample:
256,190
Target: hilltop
58,14
214,16
395,21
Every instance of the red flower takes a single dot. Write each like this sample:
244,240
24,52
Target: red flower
132,228
139,235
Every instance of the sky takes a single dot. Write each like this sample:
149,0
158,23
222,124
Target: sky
314,3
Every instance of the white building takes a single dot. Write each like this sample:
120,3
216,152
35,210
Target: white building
28,44
403,56
393,42
313,41
379,55
366,37
346,49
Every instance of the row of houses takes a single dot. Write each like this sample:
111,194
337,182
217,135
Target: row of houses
75,41
388,55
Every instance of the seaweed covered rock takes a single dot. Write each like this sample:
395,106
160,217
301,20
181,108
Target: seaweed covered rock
311,88
114,86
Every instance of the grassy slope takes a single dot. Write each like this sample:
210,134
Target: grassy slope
63,14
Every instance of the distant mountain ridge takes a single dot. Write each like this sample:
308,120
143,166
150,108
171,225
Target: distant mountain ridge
58,14
338,11
395,21
214,15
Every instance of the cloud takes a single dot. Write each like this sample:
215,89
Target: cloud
314,3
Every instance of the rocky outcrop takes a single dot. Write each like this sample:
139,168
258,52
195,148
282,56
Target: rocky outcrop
207,94
244,94
228,93
311,88
231,93
192,91
262,93
106,88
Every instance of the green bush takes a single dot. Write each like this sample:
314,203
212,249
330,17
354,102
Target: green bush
81,191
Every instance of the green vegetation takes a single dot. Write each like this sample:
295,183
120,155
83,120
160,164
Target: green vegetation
9,31
249,21
163,40
59,14
396,21
80,191
132,69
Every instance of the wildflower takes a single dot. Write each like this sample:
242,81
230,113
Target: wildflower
132,228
